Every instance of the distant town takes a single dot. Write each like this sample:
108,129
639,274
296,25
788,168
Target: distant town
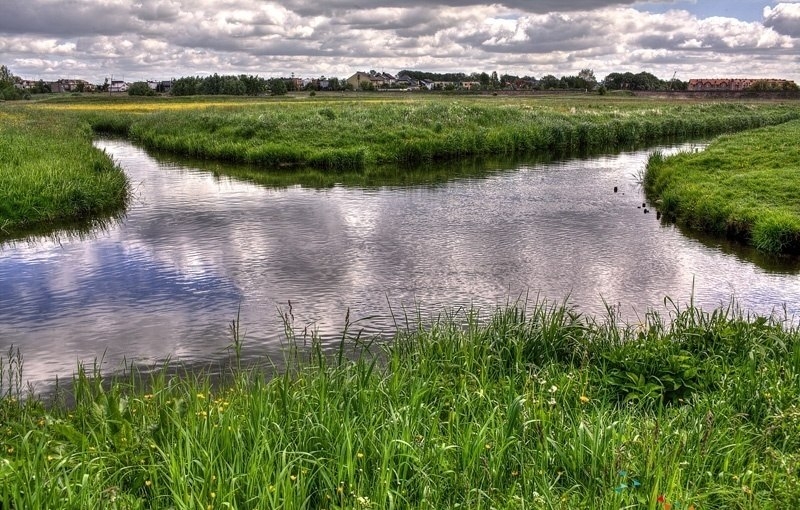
378,80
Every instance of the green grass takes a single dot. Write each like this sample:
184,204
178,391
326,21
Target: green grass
745,186
51,175
348,135
532,407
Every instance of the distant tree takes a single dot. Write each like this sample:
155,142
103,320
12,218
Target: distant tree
630,81
549,82
140,88
277,86
253,85
494,81
210,85
232,86
485,81
587,76
186,86
5,75
41,88
646,81
8,89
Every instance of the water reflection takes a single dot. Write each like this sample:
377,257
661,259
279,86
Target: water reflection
194,247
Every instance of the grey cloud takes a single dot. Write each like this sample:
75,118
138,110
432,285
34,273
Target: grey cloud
784,18
156,10
338,7
61,19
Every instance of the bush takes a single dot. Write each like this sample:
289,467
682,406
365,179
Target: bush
140,88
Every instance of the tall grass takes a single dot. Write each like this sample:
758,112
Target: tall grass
51,175
534,406
746,186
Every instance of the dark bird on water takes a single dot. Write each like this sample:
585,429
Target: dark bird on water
646,211
615,189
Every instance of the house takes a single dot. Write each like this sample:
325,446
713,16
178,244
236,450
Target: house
374,79
118,86
164,86
736,84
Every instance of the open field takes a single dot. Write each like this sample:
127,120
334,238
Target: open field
745,186
52,175
533,407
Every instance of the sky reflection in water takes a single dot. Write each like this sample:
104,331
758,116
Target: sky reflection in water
193,248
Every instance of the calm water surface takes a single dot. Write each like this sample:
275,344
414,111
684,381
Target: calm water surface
194,248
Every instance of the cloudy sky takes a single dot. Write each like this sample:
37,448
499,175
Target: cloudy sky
161,39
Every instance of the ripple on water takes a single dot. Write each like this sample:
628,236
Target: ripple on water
195,248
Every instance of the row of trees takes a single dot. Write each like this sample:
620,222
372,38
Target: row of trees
248,85
230,85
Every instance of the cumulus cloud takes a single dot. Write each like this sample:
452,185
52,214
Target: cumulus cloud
784,18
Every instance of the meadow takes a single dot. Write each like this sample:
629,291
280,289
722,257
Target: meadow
50,175
339,135
745,186
532,406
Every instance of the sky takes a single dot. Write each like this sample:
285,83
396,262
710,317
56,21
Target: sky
163,39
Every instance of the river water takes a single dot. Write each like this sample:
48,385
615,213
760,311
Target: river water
194,249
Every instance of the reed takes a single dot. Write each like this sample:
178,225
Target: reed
532,406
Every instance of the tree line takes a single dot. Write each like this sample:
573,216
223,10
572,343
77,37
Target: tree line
253,85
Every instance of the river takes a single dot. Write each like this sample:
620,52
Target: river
194,249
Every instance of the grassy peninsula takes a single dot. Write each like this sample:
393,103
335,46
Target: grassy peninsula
346,135
532,407
50,174
744,185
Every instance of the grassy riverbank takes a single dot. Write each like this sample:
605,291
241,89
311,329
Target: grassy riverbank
745,186
51,175
536,409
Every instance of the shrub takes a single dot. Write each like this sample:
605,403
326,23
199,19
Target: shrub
140,88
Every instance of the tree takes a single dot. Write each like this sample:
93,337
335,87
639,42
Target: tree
5,75
8,88
549,82
140,88
41,88
589,81
494,81
277,87
186,86
253,85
